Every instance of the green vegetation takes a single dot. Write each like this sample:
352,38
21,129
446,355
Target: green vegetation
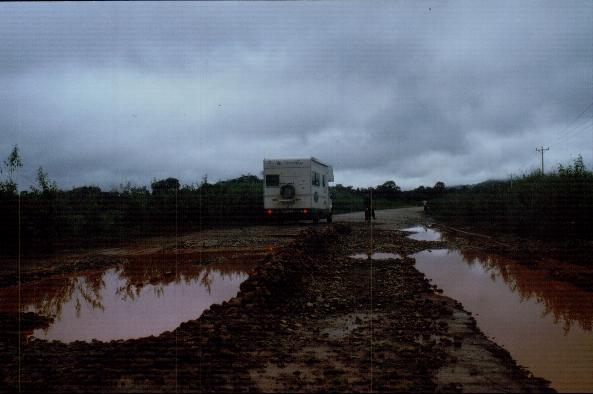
51,217
557,205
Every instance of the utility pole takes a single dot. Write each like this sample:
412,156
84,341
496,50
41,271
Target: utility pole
542,149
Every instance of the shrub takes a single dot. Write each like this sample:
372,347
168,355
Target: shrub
557,205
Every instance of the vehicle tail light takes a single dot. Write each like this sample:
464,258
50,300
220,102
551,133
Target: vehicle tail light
269,212
305,211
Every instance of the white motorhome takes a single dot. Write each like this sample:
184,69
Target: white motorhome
297,188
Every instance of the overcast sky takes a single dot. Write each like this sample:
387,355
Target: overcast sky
415,92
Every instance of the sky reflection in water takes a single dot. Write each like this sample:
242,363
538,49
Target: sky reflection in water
545,324
146,296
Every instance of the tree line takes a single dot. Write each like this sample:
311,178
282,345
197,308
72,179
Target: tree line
45,217
384,196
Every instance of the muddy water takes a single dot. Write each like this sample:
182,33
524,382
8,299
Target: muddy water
545,324
375,256
146,296
422,233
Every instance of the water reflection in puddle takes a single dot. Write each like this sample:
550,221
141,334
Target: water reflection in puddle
141,298
545,324
375,256
422,233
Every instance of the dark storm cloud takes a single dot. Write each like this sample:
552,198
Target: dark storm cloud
107,93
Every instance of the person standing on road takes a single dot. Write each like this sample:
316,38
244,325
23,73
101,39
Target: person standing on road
369,209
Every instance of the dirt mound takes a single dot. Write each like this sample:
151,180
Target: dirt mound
22,323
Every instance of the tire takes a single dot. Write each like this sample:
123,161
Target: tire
287,191
329,218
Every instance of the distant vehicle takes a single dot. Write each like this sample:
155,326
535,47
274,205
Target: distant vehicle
297,189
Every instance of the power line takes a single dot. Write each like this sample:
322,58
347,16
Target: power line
577,131
566,130
579,115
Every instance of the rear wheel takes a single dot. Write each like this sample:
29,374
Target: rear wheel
287,191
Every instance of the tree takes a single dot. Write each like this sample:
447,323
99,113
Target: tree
389,190
165,185
439,188
80,193
44,183
576,169
11,164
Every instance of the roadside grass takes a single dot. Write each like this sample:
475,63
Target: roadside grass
557,205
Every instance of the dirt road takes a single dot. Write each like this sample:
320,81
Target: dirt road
309,318
394,218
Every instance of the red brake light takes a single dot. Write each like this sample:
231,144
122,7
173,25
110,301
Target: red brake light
305,210
269,212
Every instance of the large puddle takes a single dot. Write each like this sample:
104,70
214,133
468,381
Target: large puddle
422,233
545,324
146,296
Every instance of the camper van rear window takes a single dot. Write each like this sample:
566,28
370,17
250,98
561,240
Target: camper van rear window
315,179
272,180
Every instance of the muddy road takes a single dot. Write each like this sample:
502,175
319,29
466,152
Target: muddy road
387,218
293,308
